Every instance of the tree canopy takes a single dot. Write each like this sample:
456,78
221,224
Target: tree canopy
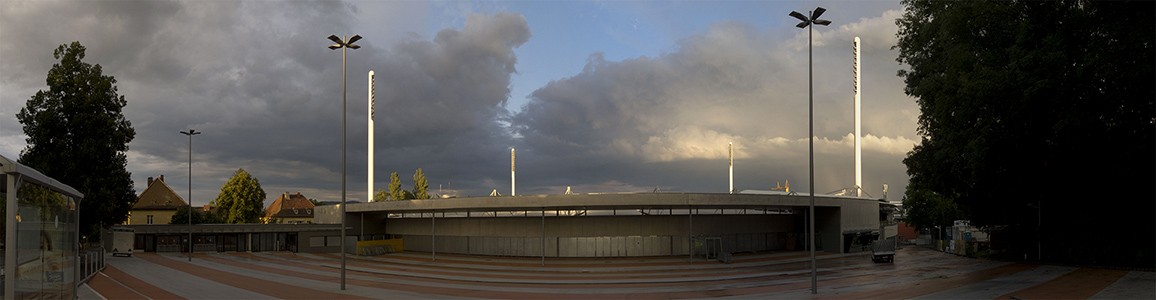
199,217
395,191
1037,109
241,199
380,195
78,135
420,186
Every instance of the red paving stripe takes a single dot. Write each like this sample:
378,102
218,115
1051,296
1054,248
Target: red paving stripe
111,289
606,270
570,262
267,287
912,289
139,286
585,291
1082,283
703,273
576,273
379,266
441,287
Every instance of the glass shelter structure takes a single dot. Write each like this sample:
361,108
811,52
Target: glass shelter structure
40,234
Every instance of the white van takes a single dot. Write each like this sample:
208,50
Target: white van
122,241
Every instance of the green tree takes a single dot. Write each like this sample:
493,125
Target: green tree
380,195
78,135
395,191
420,186
926,209
199,217
1038,109
241,199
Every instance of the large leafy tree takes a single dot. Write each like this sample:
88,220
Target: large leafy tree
78,135
926,209
241,199
1038,117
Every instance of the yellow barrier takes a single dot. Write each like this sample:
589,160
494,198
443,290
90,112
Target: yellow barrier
379,247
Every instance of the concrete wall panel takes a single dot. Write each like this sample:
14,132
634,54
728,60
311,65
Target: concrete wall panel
521,233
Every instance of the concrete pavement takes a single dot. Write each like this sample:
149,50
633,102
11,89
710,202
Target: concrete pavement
916,273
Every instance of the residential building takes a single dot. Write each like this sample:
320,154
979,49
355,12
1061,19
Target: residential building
289,209
156,205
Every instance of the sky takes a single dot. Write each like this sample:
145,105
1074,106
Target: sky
598,96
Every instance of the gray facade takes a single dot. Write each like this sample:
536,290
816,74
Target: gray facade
309,238
609,225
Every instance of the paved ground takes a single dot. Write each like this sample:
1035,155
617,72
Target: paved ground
916,273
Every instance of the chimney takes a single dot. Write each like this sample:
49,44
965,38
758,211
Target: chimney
162,178
150,182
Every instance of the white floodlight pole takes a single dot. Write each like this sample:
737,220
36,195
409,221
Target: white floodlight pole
858,126
731,158
369,165
512,178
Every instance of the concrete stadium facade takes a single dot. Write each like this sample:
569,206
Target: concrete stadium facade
610,225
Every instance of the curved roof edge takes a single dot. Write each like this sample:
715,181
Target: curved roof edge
8,166
604,201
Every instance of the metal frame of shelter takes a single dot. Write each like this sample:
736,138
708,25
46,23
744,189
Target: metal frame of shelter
35,202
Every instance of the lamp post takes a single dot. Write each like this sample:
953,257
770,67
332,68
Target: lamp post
342,43
806,21
191,133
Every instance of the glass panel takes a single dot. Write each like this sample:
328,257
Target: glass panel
45,243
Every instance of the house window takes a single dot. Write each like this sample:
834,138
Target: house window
150,221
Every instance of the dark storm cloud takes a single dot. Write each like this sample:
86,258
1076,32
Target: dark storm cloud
665,121
439,103
257,79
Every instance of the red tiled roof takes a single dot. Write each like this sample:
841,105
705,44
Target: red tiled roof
290,206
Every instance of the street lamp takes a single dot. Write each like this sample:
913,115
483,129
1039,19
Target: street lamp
813,19
191,133
342,43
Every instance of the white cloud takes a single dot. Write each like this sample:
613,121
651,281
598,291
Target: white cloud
880,31
887,145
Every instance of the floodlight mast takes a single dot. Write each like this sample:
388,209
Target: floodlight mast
814,19
340,44
191,133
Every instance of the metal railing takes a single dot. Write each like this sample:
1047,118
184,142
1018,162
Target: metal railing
90,262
